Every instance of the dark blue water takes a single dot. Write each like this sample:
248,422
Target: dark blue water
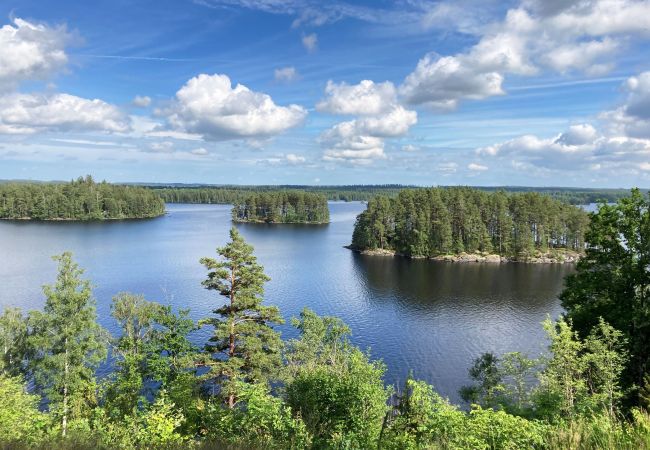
432,317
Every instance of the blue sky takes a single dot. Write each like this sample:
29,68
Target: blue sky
530,92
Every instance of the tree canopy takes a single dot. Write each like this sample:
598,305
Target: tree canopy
282,207
439,221
81,199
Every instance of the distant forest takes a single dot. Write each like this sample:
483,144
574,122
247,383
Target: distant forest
282,207
440,221
237,194
81,199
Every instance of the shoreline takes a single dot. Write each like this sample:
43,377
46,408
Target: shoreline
61,219
567,257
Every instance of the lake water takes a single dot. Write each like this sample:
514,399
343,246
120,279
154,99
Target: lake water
431,317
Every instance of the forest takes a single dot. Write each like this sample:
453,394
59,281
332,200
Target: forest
449,221
282,207
237,194
245,387
234,194
81,199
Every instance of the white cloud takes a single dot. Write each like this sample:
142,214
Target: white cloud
441,82
285,74
199,152
560,35
295,159
410,148
210,106
30,51
141,101
32,113
310,42
477,167
361,140
633,117
364,98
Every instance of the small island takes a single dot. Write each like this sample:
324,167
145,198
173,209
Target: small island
282,207
81,199
469,225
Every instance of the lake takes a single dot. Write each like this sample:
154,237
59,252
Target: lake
431,317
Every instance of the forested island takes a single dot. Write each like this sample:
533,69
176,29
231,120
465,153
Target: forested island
244,387
81,199
282,207
449,222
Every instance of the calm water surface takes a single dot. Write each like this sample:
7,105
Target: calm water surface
432,317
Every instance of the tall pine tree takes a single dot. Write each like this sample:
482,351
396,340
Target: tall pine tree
244,346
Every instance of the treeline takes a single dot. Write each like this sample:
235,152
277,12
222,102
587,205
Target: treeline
234,194
238,194
81,199
440,221
247,388
282,207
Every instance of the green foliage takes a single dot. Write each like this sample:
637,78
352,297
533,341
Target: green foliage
612,281
80,199
439,221
13,336
332,385
485,372
258,420
282,207
323,340
20,419
66,344
245,346
422,419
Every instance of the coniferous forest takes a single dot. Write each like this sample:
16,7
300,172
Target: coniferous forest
449,221
81,199
245,387
282,207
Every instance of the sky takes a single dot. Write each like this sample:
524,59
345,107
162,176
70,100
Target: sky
420,92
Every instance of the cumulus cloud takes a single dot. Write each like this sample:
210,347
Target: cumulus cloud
141,101
285,74
559,35
581,147
199,152
410,148
210,106
310,42
632,118
30,51
364,98
361,140
32,113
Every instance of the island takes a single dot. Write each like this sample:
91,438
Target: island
465,224
282,207
80,199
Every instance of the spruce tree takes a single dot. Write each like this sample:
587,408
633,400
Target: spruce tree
66,343
244,346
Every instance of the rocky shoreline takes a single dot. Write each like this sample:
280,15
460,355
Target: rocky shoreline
563,257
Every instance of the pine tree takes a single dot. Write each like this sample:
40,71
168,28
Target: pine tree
245,346
66,343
